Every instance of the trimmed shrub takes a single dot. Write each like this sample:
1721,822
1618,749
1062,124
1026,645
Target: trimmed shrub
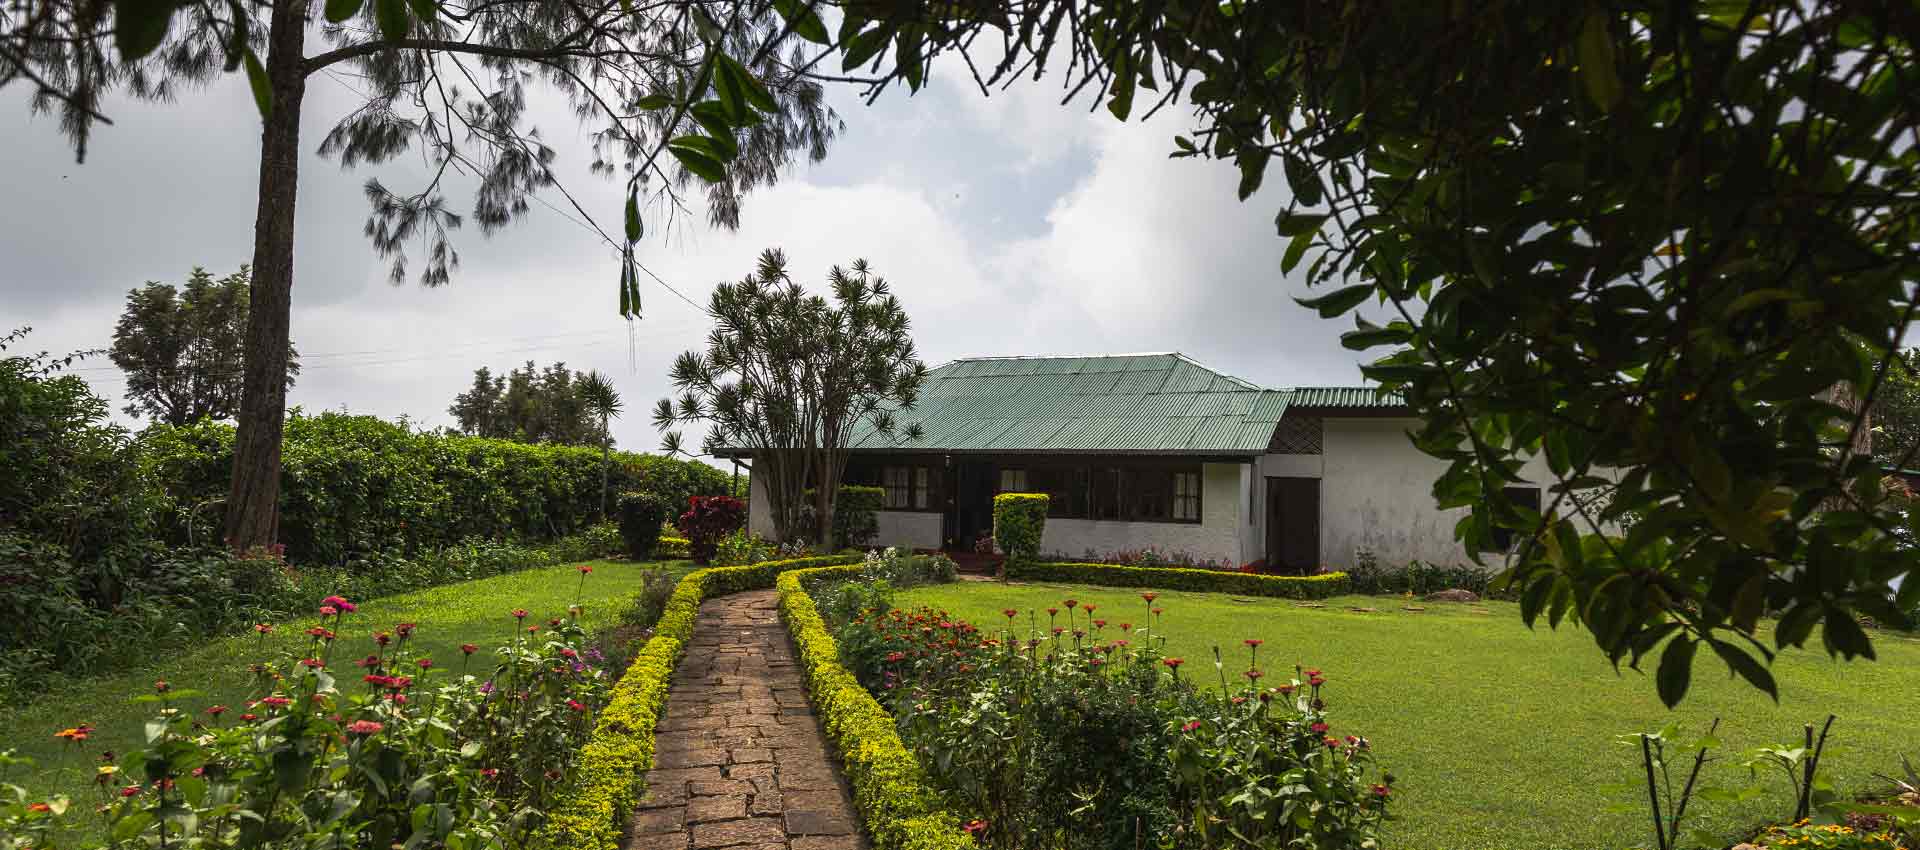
358,484
641,514
671,548
901,811
608,774
1203,581
707,521
1019,520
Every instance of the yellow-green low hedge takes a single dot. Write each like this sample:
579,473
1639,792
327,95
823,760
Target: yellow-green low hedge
607,776
900,810
1173,578
670,547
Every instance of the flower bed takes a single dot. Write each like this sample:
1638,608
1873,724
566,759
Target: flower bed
610,767
1081,732
1168,578
900,810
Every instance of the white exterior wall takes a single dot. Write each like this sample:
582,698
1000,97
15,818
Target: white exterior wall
1216,537
759,517
1376,491
908,530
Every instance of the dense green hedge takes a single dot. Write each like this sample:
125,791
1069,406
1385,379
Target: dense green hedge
1019,521
1168,578
901,811
609,773
358,484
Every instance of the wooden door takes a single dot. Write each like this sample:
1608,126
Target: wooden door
1293,524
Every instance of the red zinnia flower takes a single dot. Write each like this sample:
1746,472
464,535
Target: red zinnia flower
569,653
1381,790
382,638
319,632
1173,662
262,628
275,701
974,827
490,772
39,807
1318,728
519,613
584,569
1098,624
369,661
425,663
468,649
130,791
1330,742
161,686
576,705
1053,612
1126,627
216,710
313,663
1253,641
1071,604
1190,725
532,629
1253,674
1010,613
1149,596
249,717
403,629
1156,611
328,610
1087,608
364,727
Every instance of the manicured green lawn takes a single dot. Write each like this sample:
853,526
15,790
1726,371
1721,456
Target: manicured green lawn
447,616
1501,737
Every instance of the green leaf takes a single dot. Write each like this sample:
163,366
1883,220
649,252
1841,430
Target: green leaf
1296,249
140,25
1293,224
1253,167
392,15
1676,669
1302,180
634,228
864,47
340,10
1374,337
707,146
653,102
801,18
261,85
750,89
1121,105
1597,69
1338,301
701,164
1747,667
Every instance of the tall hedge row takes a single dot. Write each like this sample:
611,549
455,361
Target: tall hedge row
357,484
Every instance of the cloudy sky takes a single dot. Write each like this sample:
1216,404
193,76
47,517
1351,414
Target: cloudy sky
1007,225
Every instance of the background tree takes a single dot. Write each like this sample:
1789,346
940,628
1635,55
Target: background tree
532,405
1644,241
603,402
182,349
792,376
1896,410
718,87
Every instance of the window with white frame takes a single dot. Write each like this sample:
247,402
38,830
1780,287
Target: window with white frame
1186,496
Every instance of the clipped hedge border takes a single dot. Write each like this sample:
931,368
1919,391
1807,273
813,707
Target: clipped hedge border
1175,578
607,775
889,788
669,547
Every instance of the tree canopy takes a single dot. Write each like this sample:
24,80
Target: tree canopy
183,348
1651,242
530,404
790,377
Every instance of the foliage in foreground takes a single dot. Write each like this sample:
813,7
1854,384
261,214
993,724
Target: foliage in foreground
1078,735
1669,247
389,749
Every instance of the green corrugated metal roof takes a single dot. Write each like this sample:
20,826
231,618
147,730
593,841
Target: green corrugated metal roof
1344,397
1133,403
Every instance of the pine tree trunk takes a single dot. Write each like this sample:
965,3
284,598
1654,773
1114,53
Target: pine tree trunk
253,500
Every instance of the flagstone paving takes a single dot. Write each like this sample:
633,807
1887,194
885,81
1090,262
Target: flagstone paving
740,761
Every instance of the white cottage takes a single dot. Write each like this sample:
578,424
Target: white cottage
1156,450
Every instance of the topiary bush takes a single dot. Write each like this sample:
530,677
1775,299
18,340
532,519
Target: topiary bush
1019,520
641,512
707,521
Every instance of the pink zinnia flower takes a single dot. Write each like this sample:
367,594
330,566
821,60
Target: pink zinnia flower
364,727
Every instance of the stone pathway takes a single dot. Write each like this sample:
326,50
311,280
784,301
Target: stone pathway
740,761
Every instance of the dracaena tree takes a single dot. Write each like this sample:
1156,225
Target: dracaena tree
793,377
1667,246
714,91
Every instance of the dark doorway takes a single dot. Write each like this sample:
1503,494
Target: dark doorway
1293,524
973,487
